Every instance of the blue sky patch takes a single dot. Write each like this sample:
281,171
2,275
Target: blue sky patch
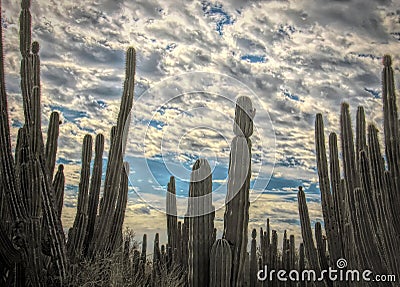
70,115
254,58
217,12
375,93
153,123
290,96
102,104
16,123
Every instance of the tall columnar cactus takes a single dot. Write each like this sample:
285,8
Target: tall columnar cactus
59,185
220,264
392,138
31,200
184,243
292,252
77,233
306,232
253,259
10,189
143,255
338,195
328,209
94,190
366,201
320,246
361,138
201,224
51,143
302,263
115,161
273,260
236,216
156,272
391,124
382,201
172,219
116,239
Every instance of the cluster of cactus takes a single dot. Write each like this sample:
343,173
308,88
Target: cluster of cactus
361,211
193,243
34,250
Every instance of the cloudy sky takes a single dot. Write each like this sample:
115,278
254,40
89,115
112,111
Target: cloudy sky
194,58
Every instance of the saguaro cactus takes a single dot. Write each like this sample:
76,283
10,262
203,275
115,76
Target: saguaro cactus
236,216
201,224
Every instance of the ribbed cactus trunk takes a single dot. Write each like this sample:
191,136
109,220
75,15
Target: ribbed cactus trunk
116,238
94,191
306,232
328,208
51,143
220,264
253,259
366,201
236,216
156,268
201,224
76,235
392,138
172,219
100,241
59,186
143,254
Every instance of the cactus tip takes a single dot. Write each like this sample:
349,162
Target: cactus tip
35,47
254,234
61,168
25,4
387,60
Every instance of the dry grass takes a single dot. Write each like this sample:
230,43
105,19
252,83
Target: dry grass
120,269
